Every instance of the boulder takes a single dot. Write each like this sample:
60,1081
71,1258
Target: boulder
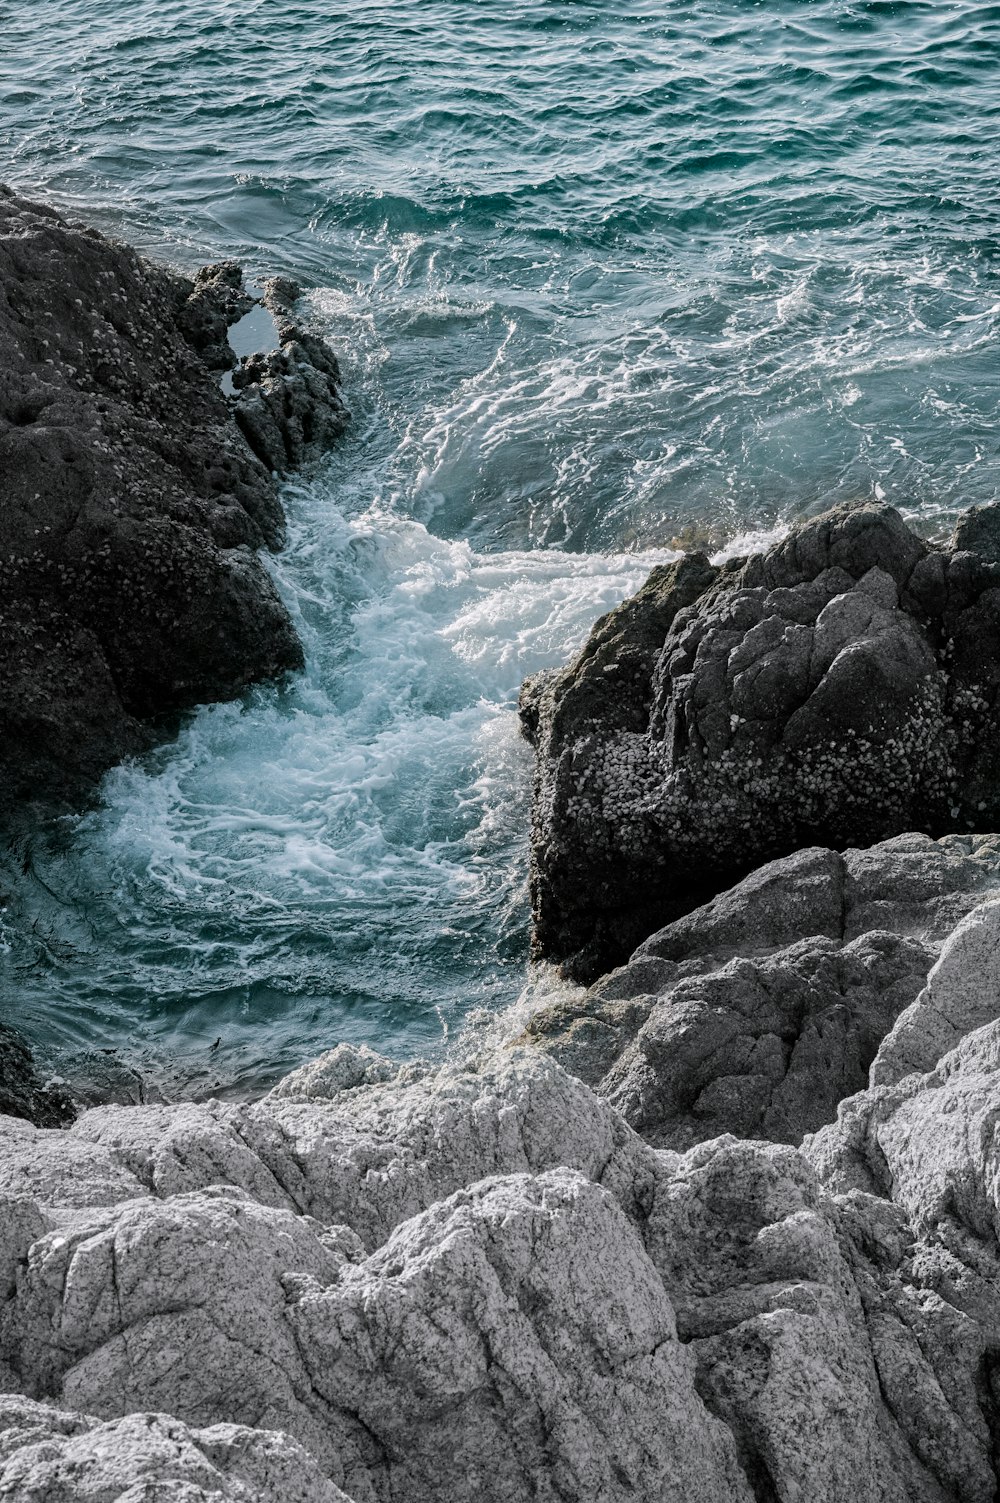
836,690
962,993
476,1282
49,1455
134,508
760,1011
288,405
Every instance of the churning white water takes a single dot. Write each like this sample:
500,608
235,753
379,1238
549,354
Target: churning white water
343,856
603,277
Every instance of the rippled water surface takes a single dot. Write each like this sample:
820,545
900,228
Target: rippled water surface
604,278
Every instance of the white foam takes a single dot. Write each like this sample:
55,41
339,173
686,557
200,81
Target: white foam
378,806
745,543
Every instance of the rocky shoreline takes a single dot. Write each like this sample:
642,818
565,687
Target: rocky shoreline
723,1226
836,690
479,1282
136,496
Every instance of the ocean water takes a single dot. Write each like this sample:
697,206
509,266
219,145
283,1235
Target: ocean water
606,280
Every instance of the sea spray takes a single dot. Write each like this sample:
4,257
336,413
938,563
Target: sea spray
602,279
340,858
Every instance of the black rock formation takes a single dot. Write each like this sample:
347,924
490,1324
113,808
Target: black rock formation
837,690
131,505
22,1093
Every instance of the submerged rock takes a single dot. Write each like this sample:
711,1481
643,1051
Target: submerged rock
836,690
133,507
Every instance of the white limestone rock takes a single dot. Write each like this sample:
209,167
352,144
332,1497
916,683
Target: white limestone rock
478,1282
839,1372
374,1155
50,1456
514,1342
58,1168
341,1069
962,993
759,1012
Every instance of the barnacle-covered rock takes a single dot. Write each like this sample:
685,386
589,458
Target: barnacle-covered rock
133,508
836,690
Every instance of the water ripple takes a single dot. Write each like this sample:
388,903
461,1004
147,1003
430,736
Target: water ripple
602,275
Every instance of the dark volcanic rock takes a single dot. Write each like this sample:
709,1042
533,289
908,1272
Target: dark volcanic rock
569,716
288,405
758,1013
22,1094
132,507
217,300
837,690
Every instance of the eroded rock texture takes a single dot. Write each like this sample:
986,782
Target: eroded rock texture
132,506
836,690
48,1455
288,403
477,1282
760,1011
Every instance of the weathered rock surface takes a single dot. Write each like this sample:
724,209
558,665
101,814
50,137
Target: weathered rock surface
288,404
759,1012
48,1455
477,1282
130,587
961,995
837,690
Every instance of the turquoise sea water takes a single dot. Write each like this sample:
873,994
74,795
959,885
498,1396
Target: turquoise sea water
599,274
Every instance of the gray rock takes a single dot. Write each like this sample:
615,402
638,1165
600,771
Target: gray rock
133,508
58,1169
962,994
217,300
288,403
280,295
823,1340
405,1273
835,691
978,531
401,1268
369,1157
48,1455
341,1069
926,1136
727,1021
